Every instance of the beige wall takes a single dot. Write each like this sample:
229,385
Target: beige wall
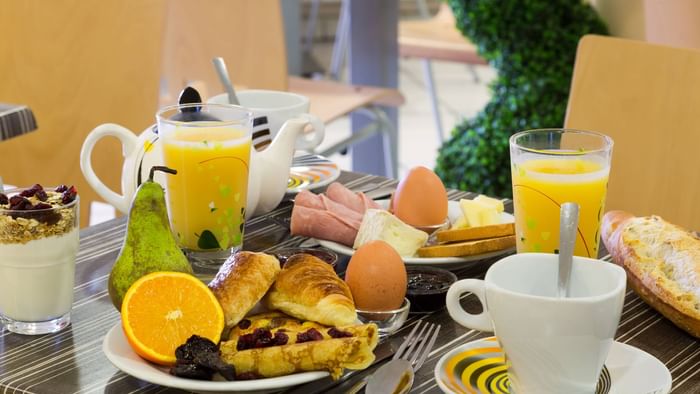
670,22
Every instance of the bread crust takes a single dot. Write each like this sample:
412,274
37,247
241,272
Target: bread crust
658,255
242,281
474,233
308,288
468,248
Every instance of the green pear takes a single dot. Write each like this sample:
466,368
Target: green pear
149,245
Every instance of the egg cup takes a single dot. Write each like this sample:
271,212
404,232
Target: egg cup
386,321
435,227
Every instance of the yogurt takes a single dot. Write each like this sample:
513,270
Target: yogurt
37,277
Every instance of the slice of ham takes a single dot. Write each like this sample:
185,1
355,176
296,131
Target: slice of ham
320,201
319,223
358,202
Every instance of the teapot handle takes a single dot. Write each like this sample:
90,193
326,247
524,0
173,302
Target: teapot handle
306,143
129,143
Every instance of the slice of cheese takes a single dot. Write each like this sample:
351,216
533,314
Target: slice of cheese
378,224
478,213
461,222
498,204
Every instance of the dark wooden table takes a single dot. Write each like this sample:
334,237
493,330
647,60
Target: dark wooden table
72,361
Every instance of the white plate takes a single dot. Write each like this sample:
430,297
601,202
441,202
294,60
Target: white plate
453,211
631,370
119,353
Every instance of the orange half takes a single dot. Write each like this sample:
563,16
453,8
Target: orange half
162,310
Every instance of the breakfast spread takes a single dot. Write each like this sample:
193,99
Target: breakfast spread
418,208
662,263
376,276
378,224
38,244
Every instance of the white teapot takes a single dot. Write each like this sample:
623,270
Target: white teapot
267,180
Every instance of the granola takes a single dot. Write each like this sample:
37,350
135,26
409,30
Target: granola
37,214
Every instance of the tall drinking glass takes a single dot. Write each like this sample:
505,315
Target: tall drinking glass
209,147
550,167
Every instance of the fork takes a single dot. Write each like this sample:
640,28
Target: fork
397,375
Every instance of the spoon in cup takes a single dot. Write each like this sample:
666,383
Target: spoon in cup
568,223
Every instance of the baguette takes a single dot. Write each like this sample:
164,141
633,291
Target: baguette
662,262
468,248
474,233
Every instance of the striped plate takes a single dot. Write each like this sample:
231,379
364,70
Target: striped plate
478,367
311,171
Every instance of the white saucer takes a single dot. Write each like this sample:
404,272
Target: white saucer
631,370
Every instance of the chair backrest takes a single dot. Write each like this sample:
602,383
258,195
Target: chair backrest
248,34
646,97
77,64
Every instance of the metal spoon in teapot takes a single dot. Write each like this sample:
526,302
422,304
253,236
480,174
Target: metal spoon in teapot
221,71
568,223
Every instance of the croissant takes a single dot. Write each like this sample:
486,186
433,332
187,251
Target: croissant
242,281
308,288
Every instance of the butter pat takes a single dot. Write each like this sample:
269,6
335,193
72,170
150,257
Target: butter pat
479,213
498,204
378,224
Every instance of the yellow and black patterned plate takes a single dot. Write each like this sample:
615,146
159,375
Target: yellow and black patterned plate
478,367
310,172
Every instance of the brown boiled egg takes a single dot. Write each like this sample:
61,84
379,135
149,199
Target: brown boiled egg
420,198
377,277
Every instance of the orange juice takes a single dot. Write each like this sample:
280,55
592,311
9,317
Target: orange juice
207,197
540,186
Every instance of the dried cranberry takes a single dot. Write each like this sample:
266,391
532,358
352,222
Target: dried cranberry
4,199
69,195
42,205
263,337
61,188
41,195
244,324
336,333
31,191
280,339
245,342
309,335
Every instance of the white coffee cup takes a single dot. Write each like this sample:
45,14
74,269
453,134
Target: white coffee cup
552,345
271,108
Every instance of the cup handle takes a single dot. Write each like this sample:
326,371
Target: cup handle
310,143
128,141
482,321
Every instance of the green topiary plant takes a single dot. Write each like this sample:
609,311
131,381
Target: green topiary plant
532,44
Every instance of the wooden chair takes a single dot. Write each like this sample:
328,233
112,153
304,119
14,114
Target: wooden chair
436,38
76,65
645,97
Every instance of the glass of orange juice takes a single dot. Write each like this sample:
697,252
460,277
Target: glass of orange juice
550,167
209,147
